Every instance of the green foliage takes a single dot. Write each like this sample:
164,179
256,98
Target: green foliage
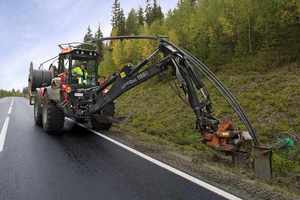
89,35
132,53
121,28
98,33
9,93
141,18
216,31
153,12
99,45
132,23
118,19
88,39
118,53
116,8
219,31
106,67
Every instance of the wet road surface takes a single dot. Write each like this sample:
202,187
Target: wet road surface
78,165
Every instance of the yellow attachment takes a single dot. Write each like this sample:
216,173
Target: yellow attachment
123,74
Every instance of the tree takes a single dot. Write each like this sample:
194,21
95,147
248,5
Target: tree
99,44
132,23
157,14
121,23
118,19
148,12
98,33
116,8
141,18
118,54
153,12
25,91
89,35
132,53
88,40
107,66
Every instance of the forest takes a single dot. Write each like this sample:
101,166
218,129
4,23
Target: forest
9,93
260,34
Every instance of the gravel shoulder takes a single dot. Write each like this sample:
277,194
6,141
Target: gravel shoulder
213,169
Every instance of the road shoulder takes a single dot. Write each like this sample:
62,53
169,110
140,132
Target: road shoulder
236,180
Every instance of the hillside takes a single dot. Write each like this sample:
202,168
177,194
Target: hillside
271,99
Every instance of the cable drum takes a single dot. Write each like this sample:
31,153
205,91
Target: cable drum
38,78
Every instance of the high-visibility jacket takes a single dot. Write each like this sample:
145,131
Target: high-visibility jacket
80,74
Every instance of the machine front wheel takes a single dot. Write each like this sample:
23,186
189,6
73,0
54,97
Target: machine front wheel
101,121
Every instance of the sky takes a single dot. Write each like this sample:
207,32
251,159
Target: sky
30,30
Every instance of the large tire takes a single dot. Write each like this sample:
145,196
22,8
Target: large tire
101,120
53,118
37,111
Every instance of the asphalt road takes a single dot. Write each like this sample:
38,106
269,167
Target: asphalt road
78,165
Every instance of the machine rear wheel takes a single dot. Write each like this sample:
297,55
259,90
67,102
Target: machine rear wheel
53,118
37,111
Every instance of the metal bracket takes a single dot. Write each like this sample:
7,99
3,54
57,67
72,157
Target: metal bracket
263,162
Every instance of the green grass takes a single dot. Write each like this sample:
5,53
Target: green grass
271,100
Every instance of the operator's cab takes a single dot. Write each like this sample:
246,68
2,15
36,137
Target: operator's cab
72,58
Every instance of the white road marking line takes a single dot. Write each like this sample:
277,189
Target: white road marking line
167,167
3,133
9,110
11,106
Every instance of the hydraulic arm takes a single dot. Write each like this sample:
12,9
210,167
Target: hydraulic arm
189,71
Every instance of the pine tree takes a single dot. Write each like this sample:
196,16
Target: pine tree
132,23
116,8
148,12
121,23
118,19
153,12
88,40
99,44
141,18
89,35
98,33
157,13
